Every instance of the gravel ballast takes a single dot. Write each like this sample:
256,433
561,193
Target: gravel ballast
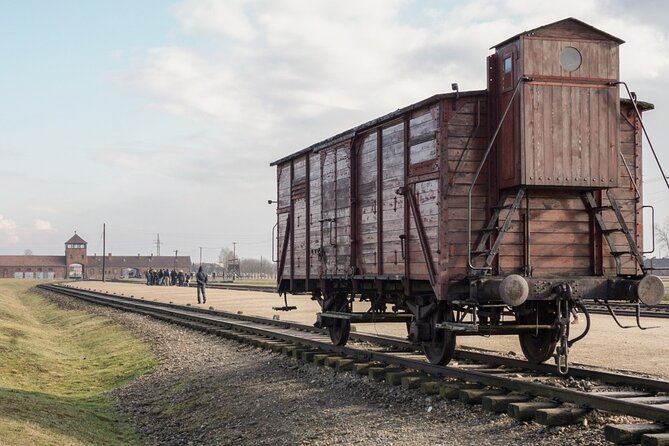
209,390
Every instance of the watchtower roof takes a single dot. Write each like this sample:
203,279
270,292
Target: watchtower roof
563,28
75,239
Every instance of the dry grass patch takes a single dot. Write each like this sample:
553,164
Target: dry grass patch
55,368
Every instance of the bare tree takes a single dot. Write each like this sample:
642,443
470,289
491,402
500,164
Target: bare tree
662,234
257,266
28,252
224,256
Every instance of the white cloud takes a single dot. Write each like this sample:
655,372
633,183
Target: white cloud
228,18
42,225
8,230
274,68
264,78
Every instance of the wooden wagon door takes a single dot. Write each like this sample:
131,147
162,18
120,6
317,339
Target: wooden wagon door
328,221
368,206
392,179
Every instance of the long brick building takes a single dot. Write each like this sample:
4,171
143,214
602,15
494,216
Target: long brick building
77,264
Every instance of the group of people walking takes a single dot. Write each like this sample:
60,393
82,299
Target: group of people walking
165,277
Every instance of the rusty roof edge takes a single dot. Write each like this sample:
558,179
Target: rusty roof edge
642,105
348,134
610,36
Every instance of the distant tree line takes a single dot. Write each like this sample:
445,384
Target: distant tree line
662,236
230,264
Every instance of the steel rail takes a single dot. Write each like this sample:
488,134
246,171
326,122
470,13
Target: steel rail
660,311
409,360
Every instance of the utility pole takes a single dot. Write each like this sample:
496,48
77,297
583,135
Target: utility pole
158,243
200,255
176,253
234,260
104,248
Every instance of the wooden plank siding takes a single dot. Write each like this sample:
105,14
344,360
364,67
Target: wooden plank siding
423,159
354,203
367,204
568,134
315,215
392,207
444,146
464,154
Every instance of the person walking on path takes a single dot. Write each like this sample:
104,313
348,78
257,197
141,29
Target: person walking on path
201,278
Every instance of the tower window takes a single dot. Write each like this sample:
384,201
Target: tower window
508,64
570,59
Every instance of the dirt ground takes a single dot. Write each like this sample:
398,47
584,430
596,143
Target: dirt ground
607,345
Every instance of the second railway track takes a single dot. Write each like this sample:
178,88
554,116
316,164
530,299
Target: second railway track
658,311
518,383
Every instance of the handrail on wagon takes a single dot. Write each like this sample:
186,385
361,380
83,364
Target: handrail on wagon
643,128
650,144
478,172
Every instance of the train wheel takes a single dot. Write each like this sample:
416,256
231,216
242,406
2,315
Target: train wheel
442,346
340,331
538,347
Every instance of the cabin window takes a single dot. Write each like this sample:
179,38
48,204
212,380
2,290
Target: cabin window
570,59
508,64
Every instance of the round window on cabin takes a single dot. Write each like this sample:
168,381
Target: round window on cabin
570,59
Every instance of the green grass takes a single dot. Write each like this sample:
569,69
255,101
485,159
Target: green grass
55,367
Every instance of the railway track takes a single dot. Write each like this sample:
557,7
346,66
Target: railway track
514,386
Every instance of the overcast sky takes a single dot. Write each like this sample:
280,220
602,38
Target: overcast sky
162,117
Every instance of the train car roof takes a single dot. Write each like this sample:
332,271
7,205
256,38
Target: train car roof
641,105
367,125
559,23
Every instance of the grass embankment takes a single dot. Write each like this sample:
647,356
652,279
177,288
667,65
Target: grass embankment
55,367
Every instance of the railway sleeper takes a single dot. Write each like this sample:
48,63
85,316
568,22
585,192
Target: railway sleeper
560,416
475,396
525,411
631,433
655,439
500,403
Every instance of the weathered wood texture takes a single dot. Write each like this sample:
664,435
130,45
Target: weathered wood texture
541,57
315,210
560,239
392,160
465,153
391,199
368,206
569,135
565,132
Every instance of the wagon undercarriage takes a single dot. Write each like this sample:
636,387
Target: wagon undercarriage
539,311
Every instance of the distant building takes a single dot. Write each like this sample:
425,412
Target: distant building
77,264
659,267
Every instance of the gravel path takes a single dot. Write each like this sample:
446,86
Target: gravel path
212,391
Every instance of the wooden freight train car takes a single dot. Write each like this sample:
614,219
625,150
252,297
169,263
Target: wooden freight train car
483,212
